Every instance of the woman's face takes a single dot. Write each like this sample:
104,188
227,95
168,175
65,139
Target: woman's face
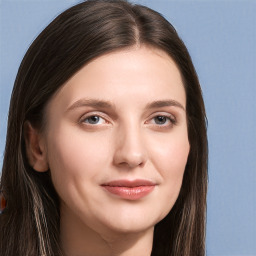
117,141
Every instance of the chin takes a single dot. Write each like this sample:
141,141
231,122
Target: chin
131,222
130,227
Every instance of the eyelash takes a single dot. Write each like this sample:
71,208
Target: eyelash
86,118
172,121
83,119
169,118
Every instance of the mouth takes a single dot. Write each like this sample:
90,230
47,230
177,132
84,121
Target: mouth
129,189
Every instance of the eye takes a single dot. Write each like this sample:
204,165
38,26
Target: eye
161,119
93,120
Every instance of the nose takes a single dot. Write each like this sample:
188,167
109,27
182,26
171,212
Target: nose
130,150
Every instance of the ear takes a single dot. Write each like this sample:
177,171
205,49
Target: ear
35,148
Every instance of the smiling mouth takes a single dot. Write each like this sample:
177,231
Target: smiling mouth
130,190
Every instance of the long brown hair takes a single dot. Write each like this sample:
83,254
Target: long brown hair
30,222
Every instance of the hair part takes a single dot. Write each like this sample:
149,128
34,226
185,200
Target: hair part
77,36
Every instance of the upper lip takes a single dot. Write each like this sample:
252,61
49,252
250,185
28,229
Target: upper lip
129,183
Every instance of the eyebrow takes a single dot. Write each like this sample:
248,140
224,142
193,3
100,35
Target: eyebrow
95,103
164,103
91,103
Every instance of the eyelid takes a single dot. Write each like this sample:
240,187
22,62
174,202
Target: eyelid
171,117
89,114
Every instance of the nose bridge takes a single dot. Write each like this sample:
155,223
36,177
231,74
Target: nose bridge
130,148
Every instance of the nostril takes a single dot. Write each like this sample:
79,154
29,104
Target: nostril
130,162
130,151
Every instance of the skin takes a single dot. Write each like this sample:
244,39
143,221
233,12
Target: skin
126,142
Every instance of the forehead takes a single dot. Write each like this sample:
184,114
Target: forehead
137,74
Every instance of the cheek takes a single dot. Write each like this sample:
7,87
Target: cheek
75,158
170,154
174,167
170,161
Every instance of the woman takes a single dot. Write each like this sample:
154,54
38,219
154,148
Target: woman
106,149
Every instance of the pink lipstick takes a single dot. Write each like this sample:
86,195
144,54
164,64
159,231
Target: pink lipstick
130,190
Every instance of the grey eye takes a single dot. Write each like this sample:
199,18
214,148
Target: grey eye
92,119
160,119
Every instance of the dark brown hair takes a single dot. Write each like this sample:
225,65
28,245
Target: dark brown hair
30,222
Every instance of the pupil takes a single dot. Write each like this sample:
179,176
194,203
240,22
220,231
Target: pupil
160,119
93,119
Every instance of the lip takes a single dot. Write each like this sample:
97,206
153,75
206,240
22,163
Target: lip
130,189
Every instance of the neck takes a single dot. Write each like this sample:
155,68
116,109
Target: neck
78,239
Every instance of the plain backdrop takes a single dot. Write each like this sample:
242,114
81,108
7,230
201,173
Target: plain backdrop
221,38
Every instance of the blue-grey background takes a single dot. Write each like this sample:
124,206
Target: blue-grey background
221,37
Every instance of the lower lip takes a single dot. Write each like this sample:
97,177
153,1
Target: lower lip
130,193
